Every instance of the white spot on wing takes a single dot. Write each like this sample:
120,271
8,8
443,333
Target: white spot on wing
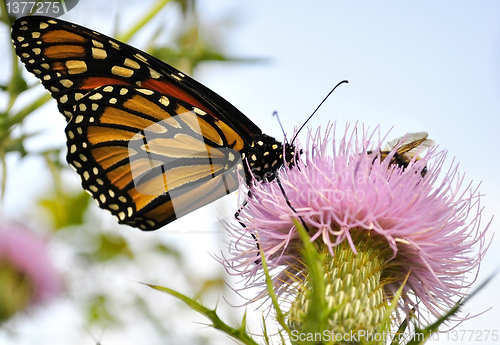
199,111
76,66
95,96
154,74
145,91
99,54
97,44
66,83
131,63
122,71
140,57
164,100
114,45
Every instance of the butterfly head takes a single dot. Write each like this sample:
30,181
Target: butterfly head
265,156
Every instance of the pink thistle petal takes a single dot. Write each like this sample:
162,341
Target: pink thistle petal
430,223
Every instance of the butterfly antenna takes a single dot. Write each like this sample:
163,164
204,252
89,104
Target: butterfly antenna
314,112
275,113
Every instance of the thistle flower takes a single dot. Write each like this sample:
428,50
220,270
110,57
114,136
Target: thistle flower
27,277
410,224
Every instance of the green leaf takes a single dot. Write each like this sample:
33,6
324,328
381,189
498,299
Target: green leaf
157,7
316,319
280,316
427,332
98,310
169,251
111,246
236,333
66,208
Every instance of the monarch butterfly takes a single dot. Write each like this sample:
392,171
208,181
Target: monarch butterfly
150,143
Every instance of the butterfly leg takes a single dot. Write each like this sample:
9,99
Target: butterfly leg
237,216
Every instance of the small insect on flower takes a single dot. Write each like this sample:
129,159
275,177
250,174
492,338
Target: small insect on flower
407,148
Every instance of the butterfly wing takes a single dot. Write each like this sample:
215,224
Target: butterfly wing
150,143
149,159
71,60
